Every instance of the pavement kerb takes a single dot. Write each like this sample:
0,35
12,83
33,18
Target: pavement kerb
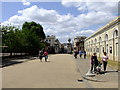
95,80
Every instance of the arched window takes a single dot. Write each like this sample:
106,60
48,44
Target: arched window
95,40
100,39
115,34
92,41
106,37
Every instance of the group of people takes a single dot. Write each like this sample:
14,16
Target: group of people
80,53
96,65
43,53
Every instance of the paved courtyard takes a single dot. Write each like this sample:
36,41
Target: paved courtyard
61,71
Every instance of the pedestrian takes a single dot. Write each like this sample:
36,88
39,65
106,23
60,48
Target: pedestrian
40,55
84,54
80,53
75,53
94,62
46,55
105,61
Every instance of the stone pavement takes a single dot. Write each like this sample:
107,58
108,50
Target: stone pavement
106,80
59,72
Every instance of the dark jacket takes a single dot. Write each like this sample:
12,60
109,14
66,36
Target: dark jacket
94,60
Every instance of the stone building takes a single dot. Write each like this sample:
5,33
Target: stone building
79,43
54,44
105,40
50,40
69,48
57,46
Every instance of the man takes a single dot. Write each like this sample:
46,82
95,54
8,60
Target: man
40,55
80,53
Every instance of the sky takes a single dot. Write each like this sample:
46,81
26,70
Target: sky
64,19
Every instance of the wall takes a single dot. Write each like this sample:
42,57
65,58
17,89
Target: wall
104,40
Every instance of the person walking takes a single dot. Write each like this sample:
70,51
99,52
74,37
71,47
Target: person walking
75,53
105,61
80,53
94,62
40,55
46,55
84,54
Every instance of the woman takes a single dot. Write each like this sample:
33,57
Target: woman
94,62
46,55
105,61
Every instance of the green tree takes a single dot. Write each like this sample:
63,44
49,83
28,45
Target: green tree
69,40
27,40
34,27
34,34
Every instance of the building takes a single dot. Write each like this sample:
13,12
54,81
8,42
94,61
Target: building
50,40
105,40
54,44
57,46
69,48
79,43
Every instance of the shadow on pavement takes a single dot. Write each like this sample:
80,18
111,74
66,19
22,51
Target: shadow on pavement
9,63
17,60
111,71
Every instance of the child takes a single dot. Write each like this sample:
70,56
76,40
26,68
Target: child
98,68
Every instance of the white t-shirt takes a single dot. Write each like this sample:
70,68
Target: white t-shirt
104,58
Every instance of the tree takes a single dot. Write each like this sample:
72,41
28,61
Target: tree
27,40
34,34
13,38
69,40
34,27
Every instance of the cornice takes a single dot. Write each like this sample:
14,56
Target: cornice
111,23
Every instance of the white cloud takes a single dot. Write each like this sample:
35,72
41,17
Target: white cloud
104,6
43,15
25,3
85,32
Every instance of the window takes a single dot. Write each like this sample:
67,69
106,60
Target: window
100,39
95,40
106,37
103,49
115,34
97,49
116,49
107,48
111,50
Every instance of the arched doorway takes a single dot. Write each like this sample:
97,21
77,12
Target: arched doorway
106,43
100,46
115,45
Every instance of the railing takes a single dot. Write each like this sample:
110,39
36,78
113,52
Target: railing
13,54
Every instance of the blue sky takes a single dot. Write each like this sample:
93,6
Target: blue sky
11,8
63,19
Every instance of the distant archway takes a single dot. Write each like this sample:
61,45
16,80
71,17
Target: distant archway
115,44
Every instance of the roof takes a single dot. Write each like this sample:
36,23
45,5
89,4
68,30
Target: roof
114,21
